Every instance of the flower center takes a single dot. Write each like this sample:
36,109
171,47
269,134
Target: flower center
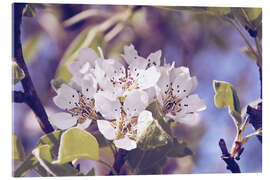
125,127
171,104
84,109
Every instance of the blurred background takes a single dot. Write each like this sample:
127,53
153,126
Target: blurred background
209,46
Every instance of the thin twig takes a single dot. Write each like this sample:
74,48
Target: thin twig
231,163
18,97
243,36
32,99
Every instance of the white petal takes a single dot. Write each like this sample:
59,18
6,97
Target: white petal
108,108
63,120
135,67
106,129
164,81
130,54
182,87
135,102
154,58
66,97
125,143
179,71
87,55
144,120
148,78
151,93
85,124
189,119
89,86
192,103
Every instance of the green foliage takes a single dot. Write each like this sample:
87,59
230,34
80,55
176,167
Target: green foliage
76,144
158,133
152,161
30,47
31,162
43,154
18,150
226,96
17,73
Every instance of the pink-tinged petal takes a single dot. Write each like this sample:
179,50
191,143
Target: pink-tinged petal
135,103
63,120
109,109
125,143
66,97
85,124
106,129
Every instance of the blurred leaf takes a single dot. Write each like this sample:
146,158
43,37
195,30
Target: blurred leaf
91,172
76,144
51,139
18,150
157,133
17,73
220,11
56,83
29,11
249,54
43,154
179,149
30,47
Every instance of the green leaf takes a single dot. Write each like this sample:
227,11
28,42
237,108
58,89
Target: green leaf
43,154
17,73
18,150
30,47
76,144
29,11
158,133
179,149
226,96
51,139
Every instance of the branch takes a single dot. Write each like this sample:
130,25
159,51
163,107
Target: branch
18,97
231,163
29,96
255,116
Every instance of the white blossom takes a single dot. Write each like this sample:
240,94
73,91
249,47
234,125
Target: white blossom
173,93
79,106
127,118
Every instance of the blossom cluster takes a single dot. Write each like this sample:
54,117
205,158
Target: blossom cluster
116,95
